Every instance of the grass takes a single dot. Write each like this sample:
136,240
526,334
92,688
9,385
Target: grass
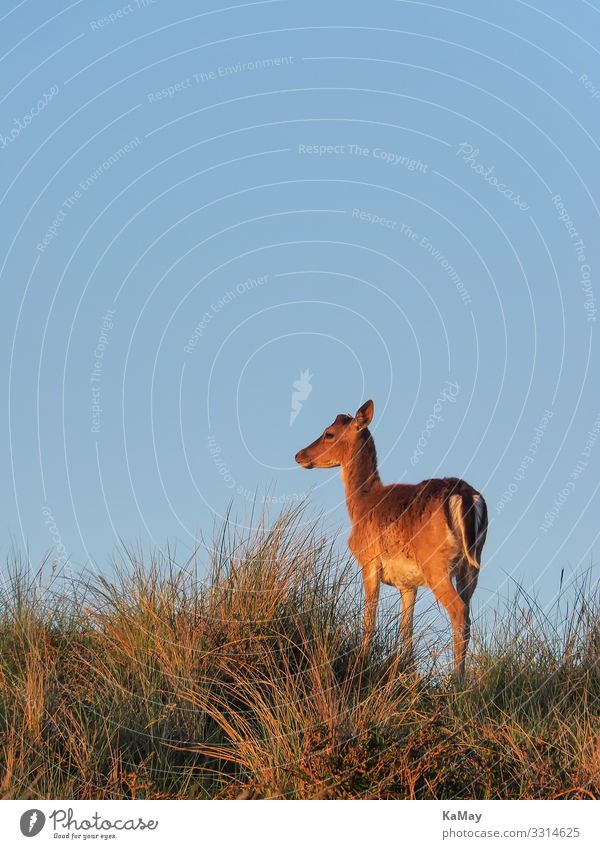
251,684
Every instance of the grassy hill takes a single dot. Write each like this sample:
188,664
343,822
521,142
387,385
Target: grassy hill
252,684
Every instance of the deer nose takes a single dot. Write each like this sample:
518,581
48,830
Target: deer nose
303,460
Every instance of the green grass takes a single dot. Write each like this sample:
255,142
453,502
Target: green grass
251,684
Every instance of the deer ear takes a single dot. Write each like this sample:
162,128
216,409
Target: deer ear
364,415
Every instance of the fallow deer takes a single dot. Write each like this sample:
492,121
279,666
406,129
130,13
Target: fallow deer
405,535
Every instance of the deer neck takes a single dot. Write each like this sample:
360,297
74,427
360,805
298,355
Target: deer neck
360,476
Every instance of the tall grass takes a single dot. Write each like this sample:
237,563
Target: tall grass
252,683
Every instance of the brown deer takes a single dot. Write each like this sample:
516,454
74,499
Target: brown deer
405,535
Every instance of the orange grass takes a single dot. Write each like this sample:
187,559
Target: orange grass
251,683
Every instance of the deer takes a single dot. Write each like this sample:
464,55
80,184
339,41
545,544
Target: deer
405,535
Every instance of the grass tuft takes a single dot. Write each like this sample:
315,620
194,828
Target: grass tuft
251,683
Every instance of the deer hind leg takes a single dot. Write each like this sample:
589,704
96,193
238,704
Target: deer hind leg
409,595
466,581
458,613
371,583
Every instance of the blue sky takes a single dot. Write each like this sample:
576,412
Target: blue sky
223,225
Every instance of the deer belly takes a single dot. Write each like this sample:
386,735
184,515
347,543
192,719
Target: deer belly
400,571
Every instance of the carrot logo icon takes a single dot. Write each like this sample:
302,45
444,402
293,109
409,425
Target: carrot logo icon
302,389
32,822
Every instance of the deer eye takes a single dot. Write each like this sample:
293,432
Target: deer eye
328,436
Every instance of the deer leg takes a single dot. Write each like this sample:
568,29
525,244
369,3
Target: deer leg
371,584
409,595
458,613
466,581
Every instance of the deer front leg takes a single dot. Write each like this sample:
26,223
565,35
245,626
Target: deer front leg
371,584
409,595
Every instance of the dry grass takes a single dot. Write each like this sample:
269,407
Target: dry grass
251,683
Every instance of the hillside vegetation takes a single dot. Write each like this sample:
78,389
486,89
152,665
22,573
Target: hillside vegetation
251,683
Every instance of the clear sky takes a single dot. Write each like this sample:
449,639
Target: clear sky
223,224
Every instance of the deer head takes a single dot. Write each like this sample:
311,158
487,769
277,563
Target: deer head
338,442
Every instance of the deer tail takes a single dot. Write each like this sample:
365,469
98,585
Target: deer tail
469,521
